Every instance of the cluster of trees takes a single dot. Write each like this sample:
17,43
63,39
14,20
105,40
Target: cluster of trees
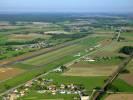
22,42
126,50
19,42
6,30
70,36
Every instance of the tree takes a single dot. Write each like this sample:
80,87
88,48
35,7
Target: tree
126,50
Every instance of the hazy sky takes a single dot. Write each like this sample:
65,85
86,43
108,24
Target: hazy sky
66,6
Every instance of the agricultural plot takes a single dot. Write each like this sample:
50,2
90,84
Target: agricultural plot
40,60
86,69
120,97
26,37
6,73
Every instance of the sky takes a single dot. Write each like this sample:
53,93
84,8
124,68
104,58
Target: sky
118,6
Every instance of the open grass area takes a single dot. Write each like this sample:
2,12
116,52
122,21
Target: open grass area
88,82
33,95
43,59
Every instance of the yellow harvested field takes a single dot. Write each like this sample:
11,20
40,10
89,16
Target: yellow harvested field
84,69
120,97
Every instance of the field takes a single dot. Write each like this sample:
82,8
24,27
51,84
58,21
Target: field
26,37
6,73
55,55
120,97
88,69
127,78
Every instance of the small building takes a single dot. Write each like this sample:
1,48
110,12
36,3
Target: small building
28,84
84,98
77,55
62,86
62,92
58,70
91,49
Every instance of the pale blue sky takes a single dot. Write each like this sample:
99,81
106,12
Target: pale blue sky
66,6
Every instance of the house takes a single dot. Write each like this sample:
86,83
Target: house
15,91
52,87
28,84
62,92
68,92
77,55
91,49
53,92
58,70
22,93
97,46
26,89
84,97
41,91
62,86
89,59
13,97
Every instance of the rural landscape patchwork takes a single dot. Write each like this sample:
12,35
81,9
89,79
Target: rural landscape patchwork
66,56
